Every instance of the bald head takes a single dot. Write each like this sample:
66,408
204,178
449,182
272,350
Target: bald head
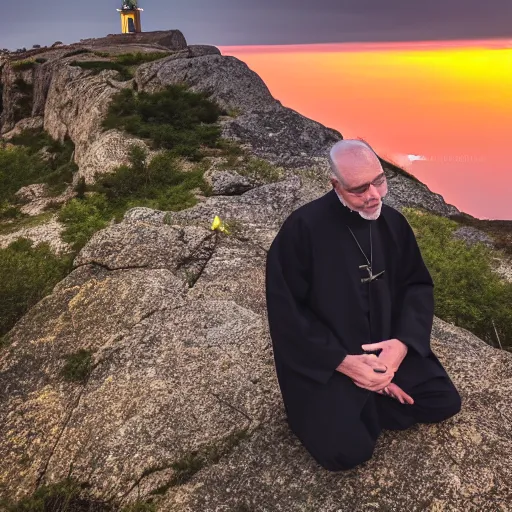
350,157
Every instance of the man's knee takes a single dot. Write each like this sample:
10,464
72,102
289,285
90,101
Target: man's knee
441,406
343,457
451,404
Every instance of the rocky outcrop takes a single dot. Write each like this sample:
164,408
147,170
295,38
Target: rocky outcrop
29,123
170,39
226,182
31,192
274,132
37,205
407,192
181,397
47,232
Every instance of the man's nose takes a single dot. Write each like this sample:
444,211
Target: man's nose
373,193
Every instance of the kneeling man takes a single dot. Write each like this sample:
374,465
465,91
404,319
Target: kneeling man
350,309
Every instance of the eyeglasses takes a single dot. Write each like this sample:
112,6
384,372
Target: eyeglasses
361,189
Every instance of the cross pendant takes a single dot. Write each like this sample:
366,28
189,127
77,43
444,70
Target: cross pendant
370,277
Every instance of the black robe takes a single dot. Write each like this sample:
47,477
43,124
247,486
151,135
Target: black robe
319,310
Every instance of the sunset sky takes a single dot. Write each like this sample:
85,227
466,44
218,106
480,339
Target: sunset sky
447,102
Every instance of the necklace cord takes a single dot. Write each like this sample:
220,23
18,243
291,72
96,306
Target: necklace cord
370,262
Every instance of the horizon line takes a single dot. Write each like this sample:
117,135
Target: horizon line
487,43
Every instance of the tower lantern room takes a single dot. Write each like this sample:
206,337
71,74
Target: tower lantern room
130,17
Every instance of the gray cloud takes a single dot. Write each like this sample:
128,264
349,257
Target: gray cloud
229,22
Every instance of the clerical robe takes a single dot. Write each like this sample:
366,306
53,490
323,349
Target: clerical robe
319,311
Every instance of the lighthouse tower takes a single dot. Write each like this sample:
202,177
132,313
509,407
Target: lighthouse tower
130,17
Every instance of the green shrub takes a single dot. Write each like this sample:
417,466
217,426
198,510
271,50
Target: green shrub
78,51
467,292
23,65
82,218
57,497
9,212
23,105
40,60
24,164
24,221
80,188
99,65
134,59
78,366
260,170
69,496
159,179
159,184
18,167
174,119
28,274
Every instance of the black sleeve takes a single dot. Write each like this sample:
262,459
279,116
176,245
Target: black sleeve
300,339
415,313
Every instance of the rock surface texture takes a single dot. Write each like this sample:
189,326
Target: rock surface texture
174,317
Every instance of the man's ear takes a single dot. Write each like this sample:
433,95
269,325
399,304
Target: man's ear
334,182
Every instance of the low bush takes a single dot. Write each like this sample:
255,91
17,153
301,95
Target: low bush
23,65
174,119
78,366
99,65
25,164
82,218
158,184
467,292
28,274
9,212
135,59
69,495
259,170
143,180
78,51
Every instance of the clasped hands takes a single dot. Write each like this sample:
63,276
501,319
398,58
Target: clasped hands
360,368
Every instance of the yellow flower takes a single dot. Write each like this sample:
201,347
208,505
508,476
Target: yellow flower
219,225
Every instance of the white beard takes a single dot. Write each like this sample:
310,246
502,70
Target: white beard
366,216
372,216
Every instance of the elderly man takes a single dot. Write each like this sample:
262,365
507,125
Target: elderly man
350,309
